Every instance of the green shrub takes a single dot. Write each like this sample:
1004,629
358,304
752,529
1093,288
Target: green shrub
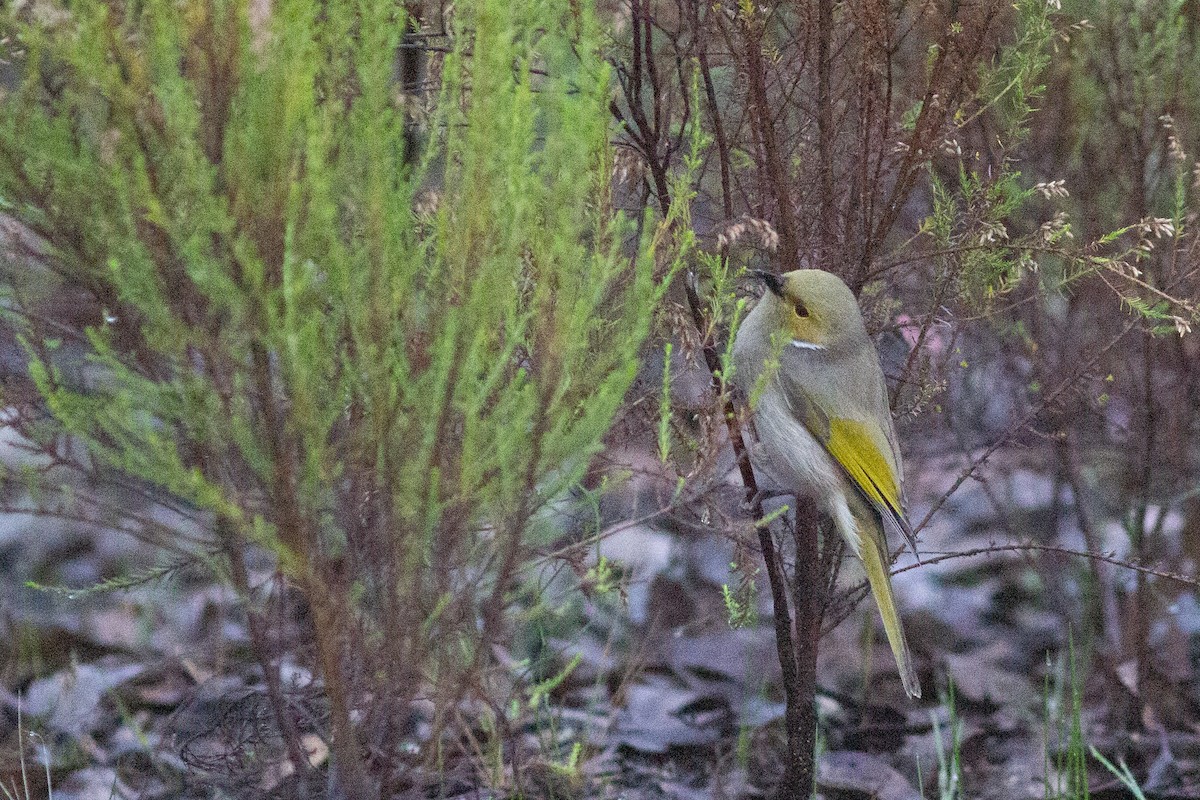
378,368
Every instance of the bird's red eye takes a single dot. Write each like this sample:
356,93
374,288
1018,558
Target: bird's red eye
801,309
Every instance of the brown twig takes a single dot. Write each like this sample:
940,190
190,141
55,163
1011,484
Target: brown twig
794,715
646,136
1011,431
1109,615
760,114
1108,558
825,132
808,595
852,596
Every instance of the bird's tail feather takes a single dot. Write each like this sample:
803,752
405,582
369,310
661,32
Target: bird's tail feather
873,552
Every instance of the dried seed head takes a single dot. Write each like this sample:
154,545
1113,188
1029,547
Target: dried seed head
1051,189
1055,228
767,236
992,231
628,166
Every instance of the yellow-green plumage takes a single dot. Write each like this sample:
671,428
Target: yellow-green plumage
823,426
874,555
862,455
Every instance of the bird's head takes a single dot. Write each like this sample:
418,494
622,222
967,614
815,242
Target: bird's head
814,308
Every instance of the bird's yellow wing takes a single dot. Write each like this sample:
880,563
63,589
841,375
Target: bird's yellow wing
864,453
856,446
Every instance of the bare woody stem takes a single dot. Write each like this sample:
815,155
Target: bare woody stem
795,715
646,133
808,594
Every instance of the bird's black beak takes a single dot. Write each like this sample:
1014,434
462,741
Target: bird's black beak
773,281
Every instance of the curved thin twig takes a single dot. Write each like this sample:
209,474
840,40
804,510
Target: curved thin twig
1019,547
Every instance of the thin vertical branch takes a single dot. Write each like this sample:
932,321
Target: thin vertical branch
328,616
947,81
794,715
762,119
809,598
411,57
1106,602
828,213
710,93
1149,457
235,551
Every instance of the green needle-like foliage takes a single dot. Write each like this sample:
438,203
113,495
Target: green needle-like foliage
380,367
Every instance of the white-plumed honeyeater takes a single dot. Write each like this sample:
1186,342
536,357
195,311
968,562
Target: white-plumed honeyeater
824,429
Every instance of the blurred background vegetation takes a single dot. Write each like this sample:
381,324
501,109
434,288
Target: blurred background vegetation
365,420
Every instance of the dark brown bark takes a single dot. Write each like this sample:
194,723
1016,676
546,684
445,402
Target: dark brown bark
808,599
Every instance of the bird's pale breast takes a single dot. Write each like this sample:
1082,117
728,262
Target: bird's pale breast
794,460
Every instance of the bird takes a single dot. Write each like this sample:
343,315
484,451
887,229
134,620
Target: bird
819,406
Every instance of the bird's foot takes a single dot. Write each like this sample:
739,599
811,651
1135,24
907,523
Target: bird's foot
756,501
